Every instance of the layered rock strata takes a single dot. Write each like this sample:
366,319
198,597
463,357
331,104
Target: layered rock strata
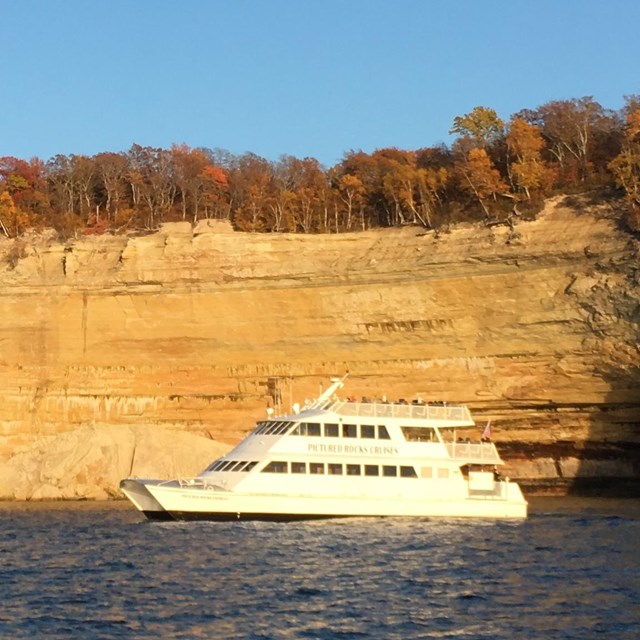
150,355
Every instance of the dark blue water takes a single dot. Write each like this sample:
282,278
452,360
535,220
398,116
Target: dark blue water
572,570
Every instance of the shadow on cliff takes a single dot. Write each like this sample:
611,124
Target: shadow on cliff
609,459
607,462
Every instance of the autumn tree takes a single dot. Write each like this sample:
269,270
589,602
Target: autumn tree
626,166
482,125
368,192
26,183
351,191
400,182
479,177
111,171
13,221
431,184
570,128
310,188
212,193
250,188
525,144
152,181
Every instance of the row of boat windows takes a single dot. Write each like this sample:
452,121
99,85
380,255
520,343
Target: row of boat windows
334,469
326,430
334,430
232,465
339,469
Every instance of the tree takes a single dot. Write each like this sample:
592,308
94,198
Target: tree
399,183
212,193
188,167
431,186
26,183
310,189
13,222
111,171
250,188
61,180
482,125
152,181
479,177
369,169
626,168
351,192
525,144
569,127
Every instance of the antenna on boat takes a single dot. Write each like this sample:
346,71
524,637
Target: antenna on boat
336,383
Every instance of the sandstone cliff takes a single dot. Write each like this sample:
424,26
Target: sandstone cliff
150,355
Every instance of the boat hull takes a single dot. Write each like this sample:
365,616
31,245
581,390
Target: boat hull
190,503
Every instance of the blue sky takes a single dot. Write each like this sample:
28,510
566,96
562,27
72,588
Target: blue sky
299,77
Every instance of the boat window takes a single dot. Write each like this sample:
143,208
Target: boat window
241,466
275,466
313,429
298,467
383,434
269,428
354,470
265,426
331,431
250,466
300,430
349,431
316,467
367,431
426,472
389,471
236,466
443,473
371,470
282,428
419,434
335,469
226,465
408,472
275,428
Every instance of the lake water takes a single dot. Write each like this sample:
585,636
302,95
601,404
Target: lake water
572,570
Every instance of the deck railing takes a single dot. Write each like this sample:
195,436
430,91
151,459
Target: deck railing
477,451
444,412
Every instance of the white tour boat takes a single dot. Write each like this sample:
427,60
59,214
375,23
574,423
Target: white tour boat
337,458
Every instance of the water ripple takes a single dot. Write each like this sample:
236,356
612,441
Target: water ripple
105,573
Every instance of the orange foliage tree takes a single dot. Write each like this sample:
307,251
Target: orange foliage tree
525,144
626,167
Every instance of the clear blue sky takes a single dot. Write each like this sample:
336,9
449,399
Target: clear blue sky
300,77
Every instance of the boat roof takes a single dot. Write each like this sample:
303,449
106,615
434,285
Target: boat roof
438,414
441,415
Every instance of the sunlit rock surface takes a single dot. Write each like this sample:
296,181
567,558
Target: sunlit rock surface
150,355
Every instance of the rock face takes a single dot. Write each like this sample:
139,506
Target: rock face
150,355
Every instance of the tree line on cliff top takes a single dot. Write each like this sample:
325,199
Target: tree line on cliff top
492,171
